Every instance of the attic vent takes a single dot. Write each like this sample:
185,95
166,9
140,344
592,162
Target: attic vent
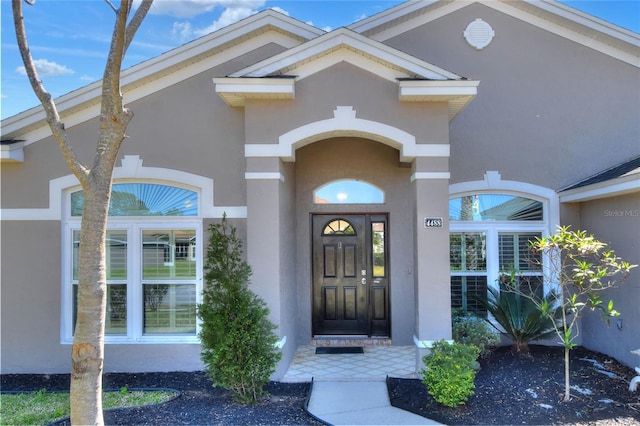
479,34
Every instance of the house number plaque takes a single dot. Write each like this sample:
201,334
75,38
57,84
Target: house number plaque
433,222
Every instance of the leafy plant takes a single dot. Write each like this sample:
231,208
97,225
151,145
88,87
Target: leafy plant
471,329
238,343
449,372
520,317
581,268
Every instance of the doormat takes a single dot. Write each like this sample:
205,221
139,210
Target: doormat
326,350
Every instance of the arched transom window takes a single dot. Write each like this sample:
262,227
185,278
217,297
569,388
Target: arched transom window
348,192
144,199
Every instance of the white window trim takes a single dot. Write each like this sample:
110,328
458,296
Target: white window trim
493,184
133,225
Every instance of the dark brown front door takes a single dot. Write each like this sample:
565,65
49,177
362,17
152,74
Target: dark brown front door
350,275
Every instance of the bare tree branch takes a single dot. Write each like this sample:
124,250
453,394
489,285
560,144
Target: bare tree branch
137,19
56,125
110,5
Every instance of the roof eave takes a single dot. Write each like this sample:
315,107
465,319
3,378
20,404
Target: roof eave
627,184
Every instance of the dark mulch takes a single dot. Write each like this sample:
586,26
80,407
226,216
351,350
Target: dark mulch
513,389
510,389
199,402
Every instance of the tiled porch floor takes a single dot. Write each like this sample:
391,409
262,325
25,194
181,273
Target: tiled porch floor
376,363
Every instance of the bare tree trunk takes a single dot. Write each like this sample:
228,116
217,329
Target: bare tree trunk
88,342
87,357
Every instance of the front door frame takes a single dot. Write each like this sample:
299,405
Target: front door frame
377,292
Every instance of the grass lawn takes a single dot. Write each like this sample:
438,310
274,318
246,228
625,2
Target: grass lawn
44,407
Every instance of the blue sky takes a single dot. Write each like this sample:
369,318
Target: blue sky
69,38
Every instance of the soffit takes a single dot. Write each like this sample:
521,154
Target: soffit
549,15
168,68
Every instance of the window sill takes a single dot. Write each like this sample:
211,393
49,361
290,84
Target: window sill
145,340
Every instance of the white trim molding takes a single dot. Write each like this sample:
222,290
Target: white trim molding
264,176
345,123
430,175
457,93
235,91
131,170
493,182
343,38
12,152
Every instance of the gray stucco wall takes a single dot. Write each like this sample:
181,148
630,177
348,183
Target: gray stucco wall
549,111
616,221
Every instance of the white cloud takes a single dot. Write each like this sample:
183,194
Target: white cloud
190,8
182,30
44,67
88,78
228,17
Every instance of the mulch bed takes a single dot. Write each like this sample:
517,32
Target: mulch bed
199,403
510,389
513,389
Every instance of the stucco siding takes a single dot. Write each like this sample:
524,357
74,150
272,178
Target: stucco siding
616,221
543,103
30,316
343,84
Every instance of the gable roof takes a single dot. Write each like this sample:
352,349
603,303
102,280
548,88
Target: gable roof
548,15
177,64
417,80
336,46
620,179
363,36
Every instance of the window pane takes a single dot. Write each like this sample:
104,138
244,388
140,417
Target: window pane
515,252
76,254
116,255
491,207
144,199
348,192
168,254
377,232
169,308
338,227
468,251
116,318
462,290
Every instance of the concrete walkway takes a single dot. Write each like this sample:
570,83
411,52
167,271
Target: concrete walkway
358,403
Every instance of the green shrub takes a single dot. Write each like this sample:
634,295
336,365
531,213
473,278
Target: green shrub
519,316
471,329
449,372
238,343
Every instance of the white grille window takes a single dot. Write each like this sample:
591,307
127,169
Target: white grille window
153,265
489,237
